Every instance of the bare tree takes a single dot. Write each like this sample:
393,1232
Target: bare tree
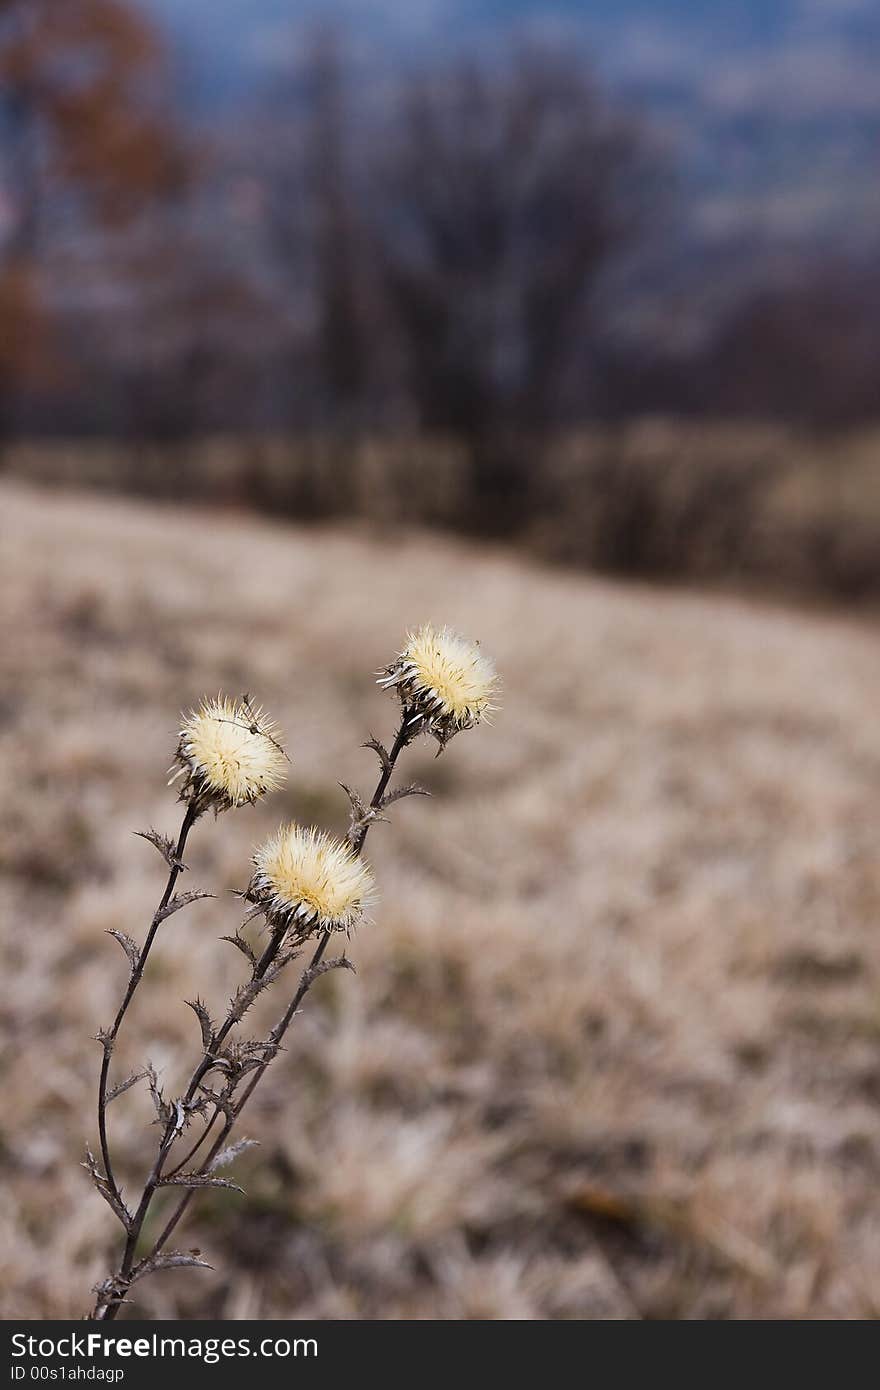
340,328
316,226
505,194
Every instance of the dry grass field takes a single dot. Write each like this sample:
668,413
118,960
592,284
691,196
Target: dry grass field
740,504
613,1049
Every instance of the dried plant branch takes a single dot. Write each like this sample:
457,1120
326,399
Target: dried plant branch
307,885
265,970
138,963
311,973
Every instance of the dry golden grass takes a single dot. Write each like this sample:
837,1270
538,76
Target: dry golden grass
614,1045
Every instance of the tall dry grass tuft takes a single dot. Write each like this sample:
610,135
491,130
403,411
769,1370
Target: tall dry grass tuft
307,886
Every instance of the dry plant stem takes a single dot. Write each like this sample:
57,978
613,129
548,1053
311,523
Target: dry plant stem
170,1135
109,1311
402,739
306,980
204,1067
109,1038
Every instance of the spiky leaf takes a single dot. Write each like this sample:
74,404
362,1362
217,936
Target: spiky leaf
338,963
381,751
177,902
242,945
163,1110
111,1196
198,1180
400,792
129,946
164,846
125,1085
169,1259
205,1022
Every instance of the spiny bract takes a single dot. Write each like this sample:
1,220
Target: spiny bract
307,879
445,681
229,754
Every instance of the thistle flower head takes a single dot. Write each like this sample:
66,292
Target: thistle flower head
308,880
445,683
228,754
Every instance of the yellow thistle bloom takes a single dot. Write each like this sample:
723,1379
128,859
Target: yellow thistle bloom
308,880
445,683
228,754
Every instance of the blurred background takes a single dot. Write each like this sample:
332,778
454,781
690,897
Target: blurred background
601,278
559,322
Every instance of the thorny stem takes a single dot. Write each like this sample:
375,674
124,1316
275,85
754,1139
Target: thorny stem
306,980
404,736
170,1135
109,1038
110,1310
193,1150
205,1065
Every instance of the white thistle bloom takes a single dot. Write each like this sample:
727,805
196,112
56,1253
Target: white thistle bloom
307,880
229,754
445,682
